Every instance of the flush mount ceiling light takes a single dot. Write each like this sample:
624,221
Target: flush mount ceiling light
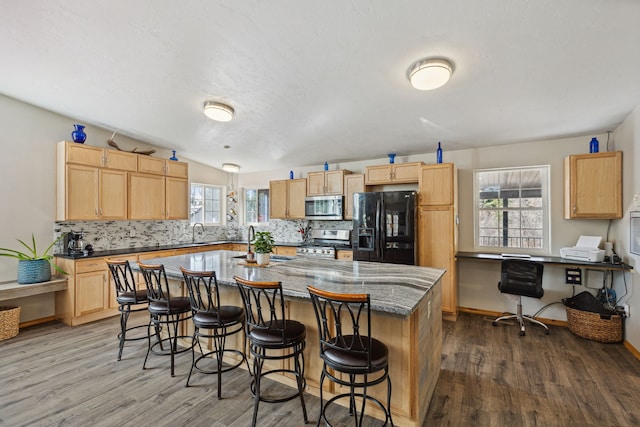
218,112
428,74
230,167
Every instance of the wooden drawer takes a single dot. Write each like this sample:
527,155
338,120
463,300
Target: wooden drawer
93,264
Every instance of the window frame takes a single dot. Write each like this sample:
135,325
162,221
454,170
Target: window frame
223,208
244,205
546,211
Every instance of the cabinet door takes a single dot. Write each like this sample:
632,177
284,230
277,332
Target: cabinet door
437,248
353,183
177,198
153,165
278,199
82,188
334,182
146,196
83,154
285,250
315,183
113,194
380,174
177,169
297,193
115,159
436,185
91,292
406,172
593,185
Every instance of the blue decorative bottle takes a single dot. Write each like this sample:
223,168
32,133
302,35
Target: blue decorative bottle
392,158
326,166
439,154
594,145
79,135
173,157
290,174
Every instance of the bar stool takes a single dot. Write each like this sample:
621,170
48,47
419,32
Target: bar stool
271,337
208,314
345,349
130,299
164,309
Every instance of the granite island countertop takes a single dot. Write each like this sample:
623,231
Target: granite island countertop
394,288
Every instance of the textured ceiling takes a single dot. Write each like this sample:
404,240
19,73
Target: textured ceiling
316,81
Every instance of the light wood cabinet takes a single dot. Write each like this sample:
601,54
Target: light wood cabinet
353,183
436,184
89,193
437,237
96,183
593,186
438,228
286,198
396,173
326,182
344,255
285,250
157,166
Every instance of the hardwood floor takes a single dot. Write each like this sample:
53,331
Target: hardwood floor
57,375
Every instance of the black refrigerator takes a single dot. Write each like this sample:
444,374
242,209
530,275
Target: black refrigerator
384,227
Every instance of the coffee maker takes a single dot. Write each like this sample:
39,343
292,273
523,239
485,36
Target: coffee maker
74,243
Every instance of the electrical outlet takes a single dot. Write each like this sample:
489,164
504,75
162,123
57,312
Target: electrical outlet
625,307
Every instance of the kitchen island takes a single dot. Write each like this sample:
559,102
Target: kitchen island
405,300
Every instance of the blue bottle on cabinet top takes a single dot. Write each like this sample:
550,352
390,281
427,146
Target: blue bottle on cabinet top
439,154
173,157
290,174
594,145
326,166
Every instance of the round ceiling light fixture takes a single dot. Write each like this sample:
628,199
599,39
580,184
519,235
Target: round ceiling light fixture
218,112
230,167
428,74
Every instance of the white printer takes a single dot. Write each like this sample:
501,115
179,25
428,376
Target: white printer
587,249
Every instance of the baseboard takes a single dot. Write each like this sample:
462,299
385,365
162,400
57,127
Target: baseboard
37,321
632,349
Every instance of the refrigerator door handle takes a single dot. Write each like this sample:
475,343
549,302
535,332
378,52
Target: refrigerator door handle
380,237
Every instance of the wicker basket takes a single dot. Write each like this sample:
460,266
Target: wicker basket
9,322
593,327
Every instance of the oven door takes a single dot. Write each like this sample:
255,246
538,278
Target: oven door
323,207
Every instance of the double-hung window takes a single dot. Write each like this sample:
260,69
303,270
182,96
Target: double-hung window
207,204
512,209
256,206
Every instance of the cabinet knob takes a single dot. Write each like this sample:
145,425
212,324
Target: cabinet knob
574,209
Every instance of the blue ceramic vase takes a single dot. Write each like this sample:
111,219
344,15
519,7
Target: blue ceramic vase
79,135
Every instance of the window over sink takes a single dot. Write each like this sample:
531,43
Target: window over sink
256,205
207,204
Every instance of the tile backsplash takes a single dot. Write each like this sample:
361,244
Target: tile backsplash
107,235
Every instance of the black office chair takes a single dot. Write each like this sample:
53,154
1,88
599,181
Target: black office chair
128,297
165,310
272,337
521,277
346,347
212,320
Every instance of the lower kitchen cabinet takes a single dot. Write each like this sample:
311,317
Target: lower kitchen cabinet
344,255
437,247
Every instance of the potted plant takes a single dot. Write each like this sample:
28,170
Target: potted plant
263,246
32,266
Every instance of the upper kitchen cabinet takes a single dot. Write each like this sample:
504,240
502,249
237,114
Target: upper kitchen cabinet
593,186
87,191
437,184
396,173
157,166
326,182
353,183
286,198
157,197
99,157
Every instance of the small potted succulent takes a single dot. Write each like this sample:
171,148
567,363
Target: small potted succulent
263,246
33,267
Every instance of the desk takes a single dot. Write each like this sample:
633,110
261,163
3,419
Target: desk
553,260
11,290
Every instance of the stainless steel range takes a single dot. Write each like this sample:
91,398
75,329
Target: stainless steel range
324,243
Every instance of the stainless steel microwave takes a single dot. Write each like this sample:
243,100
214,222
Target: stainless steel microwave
323,207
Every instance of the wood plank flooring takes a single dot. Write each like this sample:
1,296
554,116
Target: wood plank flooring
56,375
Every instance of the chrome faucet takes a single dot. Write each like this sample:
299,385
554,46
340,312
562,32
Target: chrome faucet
251,235
193,232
